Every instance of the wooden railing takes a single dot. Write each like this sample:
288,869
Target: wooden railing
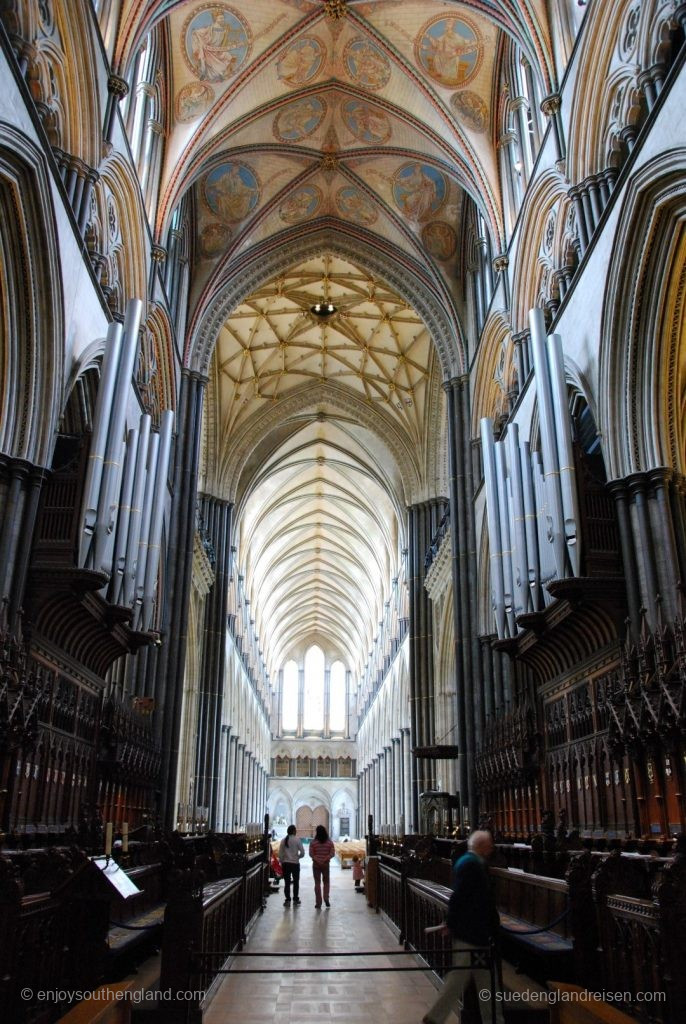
202,927
625,918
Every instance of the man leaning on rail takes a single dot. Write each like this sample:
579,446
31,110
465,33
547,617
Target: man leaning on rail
472,921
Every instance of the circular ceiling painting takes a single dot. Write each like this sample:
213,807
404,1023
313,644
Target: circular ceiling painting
366,64
231,191
303,203
354,205
450,50
214,238
298,120
193,101
216,41
419,191
440,240
367,123
471,110
301,62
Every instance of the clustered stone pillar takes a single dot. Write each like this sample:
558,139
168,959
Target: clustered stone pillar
217,518
169,666
20,487
468,662
651,515
423,522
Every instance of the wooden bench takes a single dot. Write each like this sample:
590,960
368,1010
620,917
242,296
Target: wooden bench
135,929
107,1005
535,927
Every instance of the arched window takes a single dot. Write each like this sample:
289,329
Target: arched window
337,700
314,689
289,712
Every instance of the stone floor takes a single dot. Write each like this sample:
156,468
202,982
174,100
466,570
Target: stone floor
328,998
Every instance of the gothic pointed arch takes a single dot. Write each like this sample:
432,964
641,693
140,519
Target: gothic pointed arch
642,378
264,263
32,317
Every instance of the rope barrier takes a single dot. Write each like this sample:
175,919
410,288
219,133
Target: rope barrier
134,927
535,931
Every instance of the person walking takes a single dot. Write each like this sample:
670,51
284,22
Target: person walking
291,852
321,852
472,921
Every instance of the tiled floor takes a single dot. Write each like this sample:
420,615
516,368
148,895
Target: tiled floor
347,926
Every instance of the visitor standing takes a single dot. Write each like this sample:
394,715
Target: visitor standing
291,852
321,852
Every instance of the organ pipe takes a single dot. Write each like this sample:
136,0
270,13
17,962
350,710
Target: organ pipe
157,517
548,440
565,453
134,532
109,487
532,550
504,513
145,525
101,421
493,517
124,516
518,532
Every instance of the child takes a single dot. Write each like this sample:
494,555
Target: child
358,873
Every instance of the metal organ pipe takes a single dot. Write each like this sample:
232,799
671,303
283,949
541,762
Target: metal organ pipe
505,539
548,440
124,516
134,531
157,517
108,498
532,556
101,421
565,452
520,568
543,527
493,517
146,517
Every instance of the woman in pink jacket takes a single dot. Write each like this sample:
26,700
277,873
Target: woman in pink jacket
321,852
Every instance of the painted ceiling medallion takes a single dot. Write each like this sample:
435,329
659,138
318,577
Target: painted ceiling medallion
231,191
216,42
302,61
366,65
419,191
440,240
367,123
450,50
470,109
214,238
301,205
354,205
299,119
193,101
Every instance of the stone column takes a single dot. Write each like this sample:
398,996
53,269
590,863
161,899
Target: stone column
397,781
469,683
217,520
117,88
20,487
170,664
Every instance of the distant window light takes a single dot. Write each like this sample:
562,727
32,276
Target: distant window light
337,700
289,714
314,689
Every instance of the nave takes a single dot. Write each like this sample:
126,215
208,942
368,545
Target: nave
349,925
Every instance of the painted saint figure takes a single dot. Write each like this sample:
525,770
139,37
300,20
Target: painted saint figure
212,48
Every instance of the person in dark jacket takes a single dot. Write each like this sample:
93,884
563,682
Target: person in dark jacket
472,921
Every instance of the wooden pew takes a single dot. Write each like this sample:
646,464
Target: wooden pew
528,904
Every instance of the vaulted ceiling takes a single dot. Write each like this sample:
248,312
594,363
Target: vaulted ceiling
370,121
375,115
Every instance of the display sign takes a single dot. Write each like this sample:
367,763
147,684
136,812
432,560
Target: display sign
116,877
